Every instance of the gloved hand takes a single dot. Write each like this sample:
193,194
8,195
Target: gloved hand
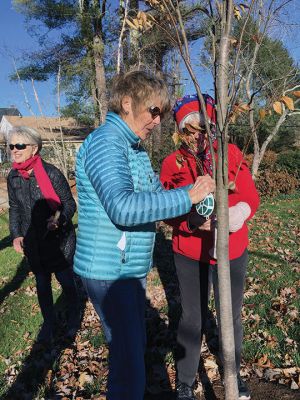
238,215
195,220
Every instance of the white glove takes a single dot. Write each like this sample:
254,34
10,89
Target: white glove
238,215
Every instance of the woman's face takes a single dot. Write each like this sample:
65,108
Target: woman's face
196,136
143,119
20,156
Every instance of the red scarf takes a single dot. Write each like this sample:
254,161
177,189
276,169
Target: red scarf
42,178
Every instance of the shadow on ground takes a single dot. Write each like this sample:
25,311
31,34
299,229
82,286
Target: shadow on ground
162,335
42,360
16,282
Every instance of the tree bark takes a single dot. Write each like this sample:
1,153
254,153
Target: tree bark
222,90
98,53
259,152
98,47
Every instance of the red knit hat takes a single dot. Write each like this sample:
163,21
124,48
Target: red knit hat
190,104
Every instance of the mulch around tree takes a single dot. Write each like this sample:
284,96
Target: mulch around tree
260,390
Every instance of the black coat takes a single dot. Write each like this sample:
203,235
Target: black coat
46,251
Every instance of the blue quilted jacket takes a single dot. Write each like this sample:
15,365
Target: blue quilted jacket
120,198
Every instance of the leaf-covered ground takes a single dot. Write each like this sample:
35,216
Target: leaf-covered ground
78,369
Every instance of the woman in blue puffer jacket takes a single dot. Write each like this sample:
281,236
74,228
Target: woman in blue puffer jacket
120,198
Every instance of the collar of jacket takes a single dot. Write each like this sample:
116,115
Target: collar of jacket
115,119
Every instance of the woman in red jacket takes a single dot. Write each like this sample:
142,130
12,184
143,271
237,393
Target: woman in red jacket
193,238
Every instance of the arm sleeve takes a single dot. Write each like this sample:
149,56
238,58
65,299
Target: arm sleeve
244,184
169,182
14,213
62,189
107,167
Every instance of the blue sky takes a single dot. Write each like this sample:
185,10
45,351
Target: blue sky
14,39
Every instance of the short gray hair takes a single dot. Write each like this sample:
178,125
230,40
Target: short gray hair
141,87
29,134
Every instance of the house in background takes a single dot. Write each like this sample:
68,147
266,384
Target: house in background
12,110
51,129
2,149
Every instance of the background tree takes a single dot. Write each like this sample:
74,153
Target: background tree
268,74
263,75
82,29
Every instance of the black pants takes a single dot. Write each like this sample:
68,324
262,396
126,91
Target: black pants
45,298
193,284
238,270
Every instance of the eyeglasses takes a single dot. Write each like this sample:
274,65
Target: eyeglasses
20,146
155,112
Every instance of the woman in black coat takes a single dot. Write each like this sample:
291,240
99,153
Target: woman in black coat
41,208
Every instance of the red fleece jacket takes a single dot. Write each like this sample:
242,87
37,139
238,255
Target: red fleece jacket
196,244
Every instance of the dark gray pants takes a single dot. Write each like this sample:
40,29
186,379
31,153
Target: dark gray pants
193,284
238,269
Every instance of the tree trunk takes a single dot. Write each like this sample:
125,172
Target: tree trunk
222,90
98,47
134,35
96,108
98,54
259,152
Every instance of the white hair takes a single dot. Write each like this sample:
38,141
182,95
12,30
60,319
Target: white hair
29,134
193,117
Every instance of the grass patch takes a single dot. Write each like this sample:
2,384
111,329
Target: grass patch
20,316
273,284
270,313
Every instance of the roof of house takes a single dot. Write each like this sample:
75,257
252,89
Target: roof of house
51,127
9,111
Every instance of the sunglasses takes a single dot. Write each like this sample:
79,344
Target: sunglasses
191,129
20,146
155,112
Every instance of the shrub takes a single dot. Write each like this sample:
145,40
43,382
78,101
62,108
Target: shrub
273,183
290,162
249,160
268,162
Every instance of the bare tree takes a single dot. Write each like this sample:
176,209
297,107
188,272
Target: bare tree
221,80
231,84
91,15
273,91
57,144
221,16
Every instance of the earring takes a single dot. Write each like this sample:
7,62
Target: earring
126,112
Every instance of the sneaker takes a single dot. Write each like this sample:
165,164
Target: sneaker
184,392
244,393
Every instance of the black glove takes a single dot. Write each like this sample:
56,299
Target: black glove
195,220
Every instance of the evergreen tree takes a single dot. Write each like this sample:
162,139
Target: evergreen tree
79,51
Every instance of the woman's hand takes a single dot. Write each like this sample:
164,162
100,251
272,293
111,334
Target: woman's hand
207,226
238,214
52,223
18,244
202,187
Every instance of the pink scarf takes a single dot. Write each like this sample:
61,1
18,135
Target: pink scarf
42,178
